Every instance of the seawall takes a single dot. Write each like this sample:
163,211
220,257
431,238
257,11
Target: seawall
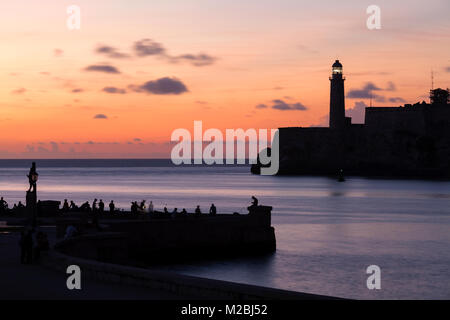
177,284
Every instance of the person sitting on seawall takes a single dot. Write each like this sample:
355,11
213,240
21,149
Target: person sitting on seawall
254,202
65,207
198,212
213,210
184,212
85,207
73,206
166,212
174,213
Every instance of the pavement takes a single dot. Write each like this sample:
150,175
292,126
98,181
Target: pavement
19,281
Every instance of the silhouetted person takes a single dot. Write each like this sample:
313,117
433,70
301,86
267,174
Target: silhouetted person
65,207
134,207
198,212
213,210
142,205
184,212
174,212
3,205
41,244
101,206
28,246
85,207
112,207
20,205
32,177
150,207
73,206
22,247
254,202
94,205
166,212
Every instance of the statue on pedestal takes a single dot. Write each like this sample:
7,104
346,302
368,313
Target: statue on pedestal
32,177
31,199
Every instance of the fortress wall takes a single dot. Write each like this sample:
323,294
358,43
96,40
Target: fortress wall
384,119
369,150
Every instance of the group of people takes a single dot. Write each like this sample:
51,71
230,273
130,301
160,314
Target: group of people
30,249
86,207
4,207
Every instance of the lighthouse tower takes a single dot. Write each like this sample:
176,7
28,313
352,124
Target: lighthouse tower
337,97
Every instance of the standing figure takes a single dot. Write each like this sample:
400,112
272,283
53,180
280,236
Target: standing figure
112,206
101,206
150,207
213,210
254,202
32,177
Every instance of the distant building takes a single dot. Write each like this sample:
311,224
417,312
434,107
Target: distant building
413,140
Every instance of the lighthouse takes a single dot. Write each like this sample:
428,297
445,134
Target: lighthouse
337,97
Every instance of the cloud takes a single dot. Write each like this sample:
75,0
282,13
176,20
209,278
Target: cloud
100,116
58,52
77,90
148,47
198,60
391,86
261,106
396,99
164,85
365,93
447,69
137,139
114,90
357,113
102,68
111,52
19,91
283,106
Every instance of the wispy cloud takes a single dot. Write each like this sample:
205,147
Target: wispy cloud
19,91
281,105
114,90
111,52
162,86
102,68
100,116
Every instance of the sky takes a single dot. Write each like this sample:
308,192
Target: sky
135,71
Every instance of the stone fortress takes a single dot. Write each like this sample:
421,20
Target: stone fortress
407,141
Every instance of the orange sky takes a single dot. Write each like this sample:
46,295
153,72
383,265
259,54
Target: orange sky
255,52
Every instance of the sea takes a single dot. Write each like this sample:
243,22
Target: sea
328,233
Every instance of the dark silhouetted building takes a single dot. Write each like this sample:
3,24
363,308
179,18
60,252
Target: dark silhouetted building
410,140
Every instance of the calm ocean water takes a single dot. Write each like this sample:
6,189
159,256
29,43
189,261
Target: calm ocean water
327,232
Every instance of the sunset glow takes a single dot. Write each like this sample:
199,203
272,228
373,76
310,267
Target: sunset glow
101,92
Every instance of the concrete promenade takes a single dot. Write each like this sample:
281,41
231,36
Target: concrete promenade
18,281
